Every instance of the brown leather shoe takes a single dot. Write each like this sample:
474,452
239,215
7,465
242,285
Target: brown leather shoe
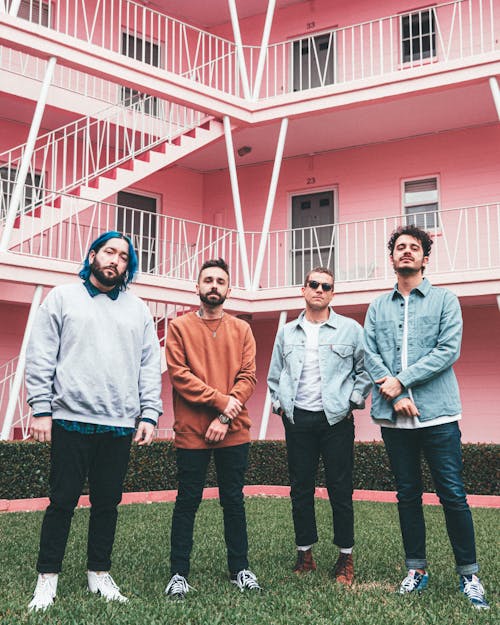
305,562
344,569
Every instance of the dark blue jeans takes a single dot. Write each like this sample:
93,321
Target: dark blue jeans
230,464
441,447
101,458
310,437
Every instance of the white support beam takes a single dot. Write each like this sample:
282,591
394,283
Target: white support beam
19,375
18,190
239,49
267,403
270,204
263,48
498,302
237,203
495,92
14,7
2,7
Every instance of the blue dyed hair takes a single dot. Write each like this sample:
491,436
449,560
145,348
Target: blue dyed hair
96,246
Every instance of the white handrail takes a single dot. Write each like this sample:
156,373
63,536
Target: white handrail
465,239
460,29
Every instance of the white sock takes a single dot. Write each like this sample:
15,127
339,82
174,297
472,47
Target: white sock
346,550
304,547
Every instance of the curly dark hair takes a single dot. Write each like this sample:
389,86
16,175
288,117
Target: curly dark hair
412,231
215,262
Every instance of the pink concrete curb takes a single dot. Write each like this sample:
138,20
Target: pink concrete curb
28,505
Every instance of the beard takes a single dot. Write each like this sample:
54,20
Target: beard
212,299
97,271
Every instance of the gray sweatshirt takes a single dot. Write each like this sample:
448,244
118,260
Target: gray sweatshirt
94,360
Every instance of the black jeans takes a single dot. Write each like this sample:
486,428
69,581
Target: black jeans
74,457
310,437
441,446
192,464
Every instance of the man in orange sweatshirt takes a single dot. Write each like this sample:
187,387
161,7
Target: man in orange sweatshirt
211,364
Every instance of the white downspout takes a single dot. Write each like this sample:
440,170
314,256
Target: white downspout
17,192
263,48
267,403
239,49
495,92
237,203
18,376
270,204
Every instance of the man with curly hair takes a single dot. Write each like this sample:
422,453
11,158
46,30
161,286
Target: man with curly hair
412,338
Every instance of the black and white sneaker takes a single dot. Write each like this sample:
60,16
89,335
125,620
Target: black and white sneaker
177,587
245,580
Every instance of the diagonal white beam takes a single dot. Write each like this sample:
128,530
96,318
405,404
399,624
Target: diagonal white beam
18,190
14,7
270,204
495,92
239,49
18,376
237,202
267,403
263,48
2,7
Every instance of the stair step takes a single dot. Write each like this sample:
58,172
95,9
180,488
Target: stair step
129,164
145,156
94,183
191,133
110,173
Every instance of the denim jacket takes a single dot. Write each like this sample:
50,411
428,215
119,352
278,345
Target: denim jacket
344,382
434,338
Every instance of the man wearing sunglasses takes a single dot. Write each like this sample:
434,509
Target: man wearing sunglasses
316,379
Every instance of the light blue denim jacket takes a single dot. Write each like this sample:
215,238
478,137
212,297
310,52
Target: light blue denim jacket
344,382
434,338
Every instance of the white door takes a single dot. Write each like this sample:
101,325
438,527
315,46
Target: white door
313,245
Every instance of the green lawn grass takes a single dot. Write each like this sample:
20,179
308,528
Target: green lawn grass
141,569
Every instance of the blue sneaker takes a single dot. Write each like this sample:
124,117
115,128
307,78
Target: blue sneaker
474,591
414,581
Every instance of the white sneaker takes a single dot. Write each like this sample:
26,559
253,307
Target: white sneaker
177,587
45,592
245,580
105,586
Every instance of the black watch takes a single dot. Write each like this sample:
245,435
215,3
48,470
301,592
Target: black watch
225,420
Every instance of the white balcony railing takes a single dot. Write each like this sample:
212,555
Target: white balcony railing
78,152
465,239
450,31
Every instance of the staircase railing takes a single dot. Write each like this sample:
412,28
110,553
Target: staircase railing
78,152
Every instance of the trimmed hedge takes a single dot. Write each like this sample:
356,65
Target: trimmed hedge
24,468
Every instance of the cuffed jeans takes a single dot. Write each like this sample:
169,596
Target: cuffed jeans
230,464
441,447
310,437
74,457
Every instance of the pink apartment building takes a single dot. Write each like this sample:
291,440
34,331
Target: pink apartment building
279,134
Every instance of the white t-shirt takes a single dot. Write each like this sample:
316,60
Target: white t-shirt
309,390
412,423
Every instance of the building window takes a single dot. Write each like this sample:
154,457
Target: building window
421,204
418,35
313,61
32,192
34,11
136,48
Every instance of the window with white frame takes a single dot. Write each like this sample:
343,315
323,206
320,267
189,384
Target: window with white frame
418,35
32,192
137,48
34,11
421,202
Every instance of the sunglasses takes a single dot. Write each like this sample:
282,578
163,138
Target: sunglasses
326,286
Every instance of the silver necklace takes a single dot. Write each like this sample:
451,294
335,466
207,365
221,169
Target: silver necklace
213,331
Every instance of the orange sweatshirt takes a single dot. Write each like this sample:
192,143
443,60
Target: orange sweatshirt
204,371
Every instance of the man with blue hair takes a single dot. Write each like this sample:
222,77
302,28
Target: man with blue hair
93,378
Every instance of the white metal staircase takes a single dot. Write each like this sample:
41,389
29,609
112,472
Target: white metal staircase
94,158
